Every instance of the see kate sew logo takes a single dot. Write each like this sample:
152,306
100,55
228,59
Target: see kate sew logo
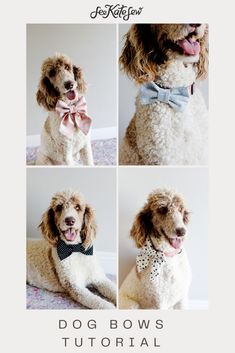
117,11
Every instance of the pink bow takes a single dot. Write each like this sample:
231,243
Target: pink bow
73,117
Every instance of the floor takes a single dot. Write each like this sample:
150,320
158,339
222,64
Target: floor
37,298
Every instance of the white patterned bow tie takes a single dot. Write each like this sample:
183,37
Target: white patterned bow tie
177,97
149,256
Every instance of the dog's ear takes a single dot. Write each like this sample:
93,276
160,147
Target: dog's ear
48,227
89,227
202,64
47,95
139,58
142,226
186,217
78,76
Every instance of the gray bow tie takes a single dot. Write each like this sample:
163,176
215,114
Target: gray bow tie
177,98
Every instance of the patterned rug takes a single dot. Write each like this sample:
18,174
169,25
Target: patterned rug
37,298
104,152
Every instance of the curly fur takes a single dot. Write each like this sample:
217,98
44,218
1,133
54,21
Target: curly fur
158,135
73,274
56,148
163,218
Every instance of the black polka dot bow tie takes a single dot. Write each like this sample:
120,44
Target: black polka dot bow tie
65,250
149,256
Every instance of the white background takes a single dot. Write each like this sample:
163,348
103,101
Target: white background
128,90
93,48
135,184
187,331
98,186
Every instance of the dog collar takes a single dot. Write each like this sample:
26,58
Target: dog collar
65,250
177,98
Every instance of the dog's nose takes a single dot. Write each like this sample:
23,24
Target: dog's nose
69,221
180,232
195,24
68,84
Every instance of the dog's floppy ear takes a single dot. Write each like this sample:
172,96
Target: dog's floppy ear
89,227
139,55
47,95
48,227
78,76
142,226
202,65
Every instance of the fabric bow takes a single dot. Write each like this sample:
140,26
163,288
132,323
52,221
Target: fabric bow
149,256
73,117
65,250
177,98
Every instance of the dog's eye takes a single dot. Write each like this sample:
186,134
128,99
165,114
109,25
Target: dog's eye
163,210
77,208
52,73
59,208
67,67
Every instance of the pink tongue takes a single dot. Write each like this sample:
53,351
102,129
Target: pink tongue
176,243
189,46
70,234
70,95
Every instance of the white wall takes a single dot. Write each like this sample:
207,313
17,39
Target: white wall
128,90
134,186
90,46
98,185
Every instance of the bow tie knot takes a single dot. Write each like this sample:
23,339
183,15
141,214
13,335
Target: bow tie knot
73,117
177,98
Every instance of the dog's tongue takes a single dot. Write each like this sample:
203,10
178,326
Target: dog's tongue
189,46
70,234
70,95
176,242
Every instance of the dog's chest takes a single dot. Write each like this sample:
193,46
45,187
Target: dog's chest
79,267
171,283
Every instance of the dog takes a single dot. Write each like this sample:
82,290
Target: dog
64,260
65,138
169,126
162,275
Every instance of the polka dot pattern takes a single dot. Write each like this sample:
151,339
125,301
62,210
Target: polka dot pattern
149,256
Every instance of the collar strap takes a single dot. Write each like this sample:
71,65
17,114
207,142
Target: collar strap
172,253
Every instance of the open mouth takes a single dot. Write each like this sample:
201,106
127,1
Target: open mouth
175,242
71,95
189,45
70,234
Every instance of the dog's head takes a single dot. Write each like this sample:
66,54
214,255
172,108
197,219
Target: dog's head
148,46
164,218
60,79
69,218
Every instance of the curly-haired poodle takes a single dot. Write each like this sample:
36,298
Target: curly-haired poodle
64,261
65,138
170,123
161,276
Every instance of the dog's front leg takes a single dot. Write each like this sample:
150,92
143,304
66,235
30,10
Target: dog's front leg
86,154
107,288
85,297
181,304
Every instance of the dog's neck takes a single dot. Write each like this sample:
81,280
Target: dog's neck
176,73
